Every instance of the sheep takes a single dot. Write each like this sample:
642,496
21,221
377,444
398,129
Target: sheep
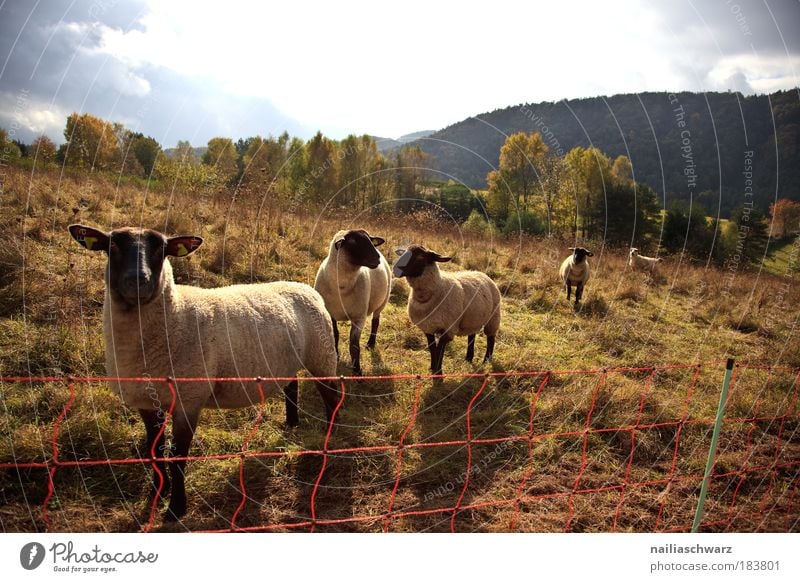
448,304
354,281
155,328
575,271
639,262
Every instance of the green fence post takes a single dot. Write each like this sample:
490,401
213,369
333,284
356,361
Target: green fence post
712,450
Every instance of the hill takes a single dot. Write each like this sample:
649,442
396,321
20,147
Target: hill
663,134
386,144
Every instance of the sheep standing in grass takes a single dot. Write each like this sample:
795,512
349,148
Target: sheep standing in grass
354,280
448,304
575,271
155,328
639,262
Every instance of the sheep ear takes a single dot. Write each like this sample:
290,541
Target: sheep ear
180,246
377,241
399,252
337,244
438,258
90,238
571,248
589,254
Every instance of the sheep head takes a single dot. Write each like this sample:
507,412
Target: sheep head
414,260
358,247
135,258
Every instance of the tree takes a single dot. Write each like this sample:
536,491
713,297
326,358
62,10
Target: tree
146,150
622,170
91,142
520,158
8,149
321,168
126,161
221,154
411,164
687,229
785,215
498,197
589,172
184,153
43,150
627,213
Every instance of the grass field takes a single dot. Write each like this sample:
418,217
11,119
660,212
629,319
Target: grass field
51,294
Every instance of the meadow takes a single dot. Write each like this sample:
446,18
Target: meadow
51,294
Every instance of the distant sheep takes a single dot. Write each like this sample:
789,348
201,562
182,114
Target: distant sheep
448,304
639,262
354,280
575,271
155,328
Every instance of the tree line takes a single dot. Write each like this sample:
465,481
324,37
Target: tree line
581,194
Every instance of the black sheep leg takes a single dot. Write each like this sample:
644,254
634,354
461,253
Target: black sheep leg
373,331
470,348
183,425
431,339
444,339
489,348
290,397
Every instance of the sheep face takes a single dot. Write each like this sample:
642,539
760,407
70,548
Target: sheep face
579,254
359,248
634,252
135,259
414,260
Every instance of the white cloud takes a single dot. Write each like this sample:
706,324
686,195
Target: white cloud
28,116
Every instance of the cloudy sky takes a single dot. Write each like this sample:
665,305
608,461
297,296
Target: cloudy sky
194,69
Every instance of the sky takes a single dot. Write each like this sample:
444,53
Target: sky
193,70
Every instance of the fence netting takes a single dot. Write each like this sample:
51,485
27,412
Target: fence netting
618,449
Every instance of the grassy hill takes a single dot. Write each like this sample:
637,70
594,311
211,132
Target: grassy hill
51,294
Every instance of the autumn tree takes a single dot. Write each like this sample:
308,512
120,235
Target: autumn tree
520,158
590,174
321,168
43,150
184,153
265,164
622,170
221,154
8,149
785,215
411,164
91,142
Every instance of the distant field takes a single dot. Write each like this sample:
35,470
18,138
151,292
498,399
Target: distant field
51,296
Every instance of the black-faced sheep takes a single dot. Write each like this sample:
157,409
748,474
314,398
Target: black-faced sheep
155,328
447,304
575,271
354,280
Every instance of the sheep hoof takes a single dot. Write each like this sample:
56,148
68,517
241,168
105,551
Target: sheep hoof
468,359
370,345
357,372
173,514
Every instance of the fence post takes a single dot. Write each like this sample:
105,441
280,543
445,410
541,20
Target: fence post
712,451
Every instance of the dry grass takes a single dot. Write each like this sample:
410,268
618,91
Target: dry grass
51,299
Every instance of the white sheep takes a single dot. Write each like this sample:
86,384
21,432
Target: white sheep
448,304
575,271
639,262
354,280
155,328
